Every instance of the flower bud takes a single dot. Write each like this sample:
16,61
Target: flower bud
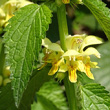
60,76
6,72
5,81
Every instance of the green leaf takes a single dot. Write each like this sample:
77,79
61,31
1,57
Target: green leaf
102,75
51,96
101,13
84,79
36,81
6,98
51,5
2,56
37,106
0,44
95,97
23,41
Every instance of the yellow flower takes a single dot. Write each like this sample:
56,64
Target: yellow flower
66,1
75,58
53,54
8,8
75,45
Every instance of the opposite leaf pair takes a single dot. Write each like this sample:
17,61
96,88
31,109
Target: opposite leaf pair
75,58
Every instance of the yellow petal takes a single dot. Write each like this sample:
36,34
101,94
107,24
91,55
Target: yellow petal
86,59
51,46
46,42
72,42
72,75
81,66
55,47
2,14
55,67
90,40
42,66
93,65
53,57
88,72
71,53
63,67
53,70
24,3
92,51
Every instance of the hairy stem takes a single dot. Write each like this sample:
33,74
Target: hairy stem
70,92
63,31
62,22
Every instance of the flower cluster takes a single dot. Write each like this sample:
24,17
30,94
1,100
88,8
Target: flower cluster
8,8
75,58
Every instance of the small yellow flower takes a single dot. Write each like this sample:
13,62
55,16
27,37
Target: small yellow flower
53,54
66,1
75,58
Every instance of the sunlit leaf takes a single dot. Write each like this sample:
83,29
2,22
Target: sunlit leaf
23,42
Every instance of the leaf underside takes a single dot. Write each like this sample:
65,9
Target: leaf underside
23,42
101,13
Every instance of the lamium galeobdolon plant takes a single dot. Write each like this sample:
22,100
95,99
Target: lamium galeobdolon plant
24,44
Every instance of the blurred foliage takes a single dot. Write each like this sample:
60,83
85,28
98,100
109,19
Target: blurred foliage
102,75
50,97
83,21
